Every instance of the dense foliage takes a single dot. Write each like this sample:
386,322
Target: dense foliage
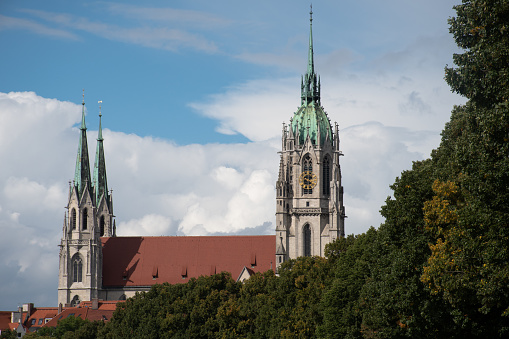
69,328
438,266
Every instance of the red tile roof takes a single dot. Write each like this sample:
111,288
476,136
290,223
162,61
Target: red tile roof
110,305
40,314
144,261
83,313
5,319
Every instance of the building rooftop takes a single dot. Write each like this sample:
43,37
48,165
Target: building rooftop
144,261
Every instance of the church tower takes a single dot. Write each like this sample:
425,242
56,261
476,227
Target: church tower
88,217
309,198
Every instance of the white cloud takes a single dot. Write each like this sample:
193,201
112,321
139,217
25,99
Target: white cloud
169,15
171,39
150,224
34,27
160,188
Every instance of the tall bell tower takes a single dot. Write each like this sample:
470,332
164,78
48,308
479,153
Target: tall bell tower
88,217
309,198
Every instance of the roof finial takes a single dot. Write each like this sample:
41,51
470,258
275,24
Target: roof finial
311,13
83,126
100,134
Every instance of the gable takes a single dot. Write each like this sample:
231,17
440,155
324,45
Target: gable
144,261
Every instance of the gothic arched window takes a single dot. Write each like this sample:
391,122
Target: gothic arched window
307,240
77,269
75,301
326,176
307,166
85,219
101,225
73,219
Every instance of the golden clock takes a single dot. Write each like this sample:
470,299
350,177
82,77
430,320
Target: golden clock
308,180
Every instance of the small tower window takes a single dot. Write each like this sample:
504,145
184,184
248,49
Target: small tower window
307,240
326,176
101,225
307,166
73,219
85,219
77,269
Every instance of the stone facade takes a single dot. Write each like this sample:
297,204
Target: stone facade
309,199
309,215
88,217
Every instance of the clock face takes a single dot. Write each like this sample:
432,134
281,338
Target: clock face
308,180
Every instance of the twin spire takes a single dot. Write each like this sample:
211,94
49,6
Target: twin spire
310,83
99,185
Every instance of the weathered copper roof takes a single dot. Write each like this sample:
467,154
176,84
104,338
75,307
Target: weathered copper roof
144,261
310,119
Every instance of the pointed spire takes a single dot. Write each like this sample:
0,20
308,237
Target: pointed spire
281,169
82,172
311,65
310,90
100,134
64,227
100,182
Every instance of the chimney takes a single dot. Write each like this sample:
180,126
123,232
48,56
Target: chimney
95,303
59,308
28,308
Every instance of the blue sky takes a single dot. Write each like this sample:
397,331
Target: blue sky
194,96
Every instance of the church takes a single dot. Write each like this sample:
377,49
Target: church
94,263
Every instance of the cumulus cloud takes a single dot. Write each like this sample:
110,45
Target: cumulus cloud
390,109
159,188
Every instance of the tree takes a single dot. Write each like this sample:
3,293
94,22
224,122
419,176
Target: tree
9,335
340,302
187,310
481,28
468,216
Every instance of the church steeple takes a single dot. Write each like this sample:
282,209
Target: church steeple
310,86
100,182
309,196
82,172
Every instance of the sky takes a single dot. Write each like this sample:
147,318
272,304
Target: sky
194,95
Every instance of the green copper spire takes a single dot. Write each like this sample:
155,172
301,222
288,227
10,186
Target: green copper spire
311,66
310,89
100,181
310,119
82,172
